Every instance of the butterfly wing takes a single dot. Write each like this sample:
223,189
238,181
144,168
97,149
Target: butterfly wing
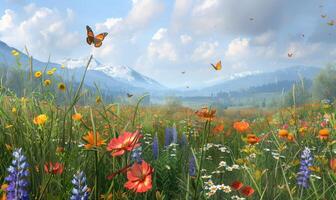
219,65
90,35
129,95
98,40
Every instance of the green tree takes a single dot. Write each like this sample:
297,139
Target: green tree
324,86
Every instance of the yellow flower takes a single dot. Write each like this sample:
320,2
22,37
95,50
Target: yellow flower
40,119
98,99
4,187
13,110
77,116
15,53
62,66
38,74
61,87
54,69
50,72
24,100
9,126
47,82
90,139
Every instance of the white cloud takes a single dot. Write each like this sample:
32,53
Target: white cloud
302,50
160,34
206,51
238,47
6,20
185,39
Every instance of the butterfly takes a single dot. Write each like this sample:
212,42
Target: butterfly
290,55
323,16
251,18
218,65
183,72
92,39
129,95
331,23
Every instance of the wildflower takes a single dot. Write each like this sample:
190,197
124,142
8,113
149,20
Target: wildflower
241,126
247,191
54,69
252,139
50,72
93,140
18,173
174,135
304,173
9,126
62,66
192,166
53,168
283,133
324,134
98,100
40,119
206,114
125,142
77,117
156,147
59,149
139,177
4,189
184,140
222,164
62,87
218,128
136,154
290,137
224,188
47,82
236,185
333,164
38,74
15,53
80,190
168,136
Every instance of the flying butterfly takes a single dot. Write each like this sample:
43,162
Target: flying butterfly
251,18
92,39
323,16
183,72
290,55
129,95
218,65
331,23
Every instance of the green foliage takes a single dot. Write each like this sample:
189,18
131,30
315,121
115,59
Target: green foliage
324,83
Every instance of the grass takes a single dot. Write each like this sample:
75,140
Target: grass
270,166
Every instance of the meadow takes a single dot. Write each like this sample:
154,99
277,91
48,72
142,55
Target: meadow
55,146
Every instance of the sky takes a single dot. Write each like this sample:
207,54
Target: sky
162,38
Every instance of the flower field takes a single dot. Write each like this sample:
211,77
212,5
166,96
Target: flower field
72,149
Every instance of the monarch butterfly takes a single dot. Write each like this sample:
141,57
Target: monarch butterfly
92,39
129,95
218,65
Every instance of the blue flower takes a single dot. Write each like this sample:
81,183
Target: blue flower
192,166
80,189
136,155
168,137
174,135
304,173
18,173
156,147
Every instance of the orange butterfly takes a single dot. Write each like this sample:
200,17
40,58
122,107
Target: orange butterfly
218,65
92,39
290,55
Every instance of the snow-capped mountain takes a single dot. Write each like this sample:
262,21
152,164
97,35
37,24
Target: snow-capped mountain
121,73
107,77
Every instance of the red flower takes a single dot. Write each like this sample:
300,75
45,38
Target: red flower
247,191
125,142
333,164
53,168
236,185
139,177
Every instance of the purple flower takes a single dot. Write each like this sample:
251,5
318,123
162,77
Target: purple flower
174,134
192,166
18,173
80,189
304,173
136,155
156,147
168,137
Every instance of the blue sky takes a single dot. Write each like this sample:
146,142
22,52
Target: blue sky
161,38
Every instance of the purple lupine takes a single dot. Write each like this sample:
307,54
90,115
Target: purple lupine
80,189
304,173
136,155
168,137
18,173
156,147
192,165
174,134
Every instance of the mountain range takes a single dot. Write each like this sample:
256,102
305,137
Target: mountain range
125,79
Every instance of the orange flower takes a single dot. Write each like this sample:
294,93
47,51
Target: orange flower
252,139
40,119
90,139
59,149
125,142
139,177
236,185
333,164
283,133
53,168
77,117
206,114
241,126
290,137
4,189
324,134
219,128
247,191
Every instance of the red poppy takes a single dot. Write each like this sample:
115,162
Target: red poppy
236,185
53,168
139,177
125,142
219,128
241,126
247,191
